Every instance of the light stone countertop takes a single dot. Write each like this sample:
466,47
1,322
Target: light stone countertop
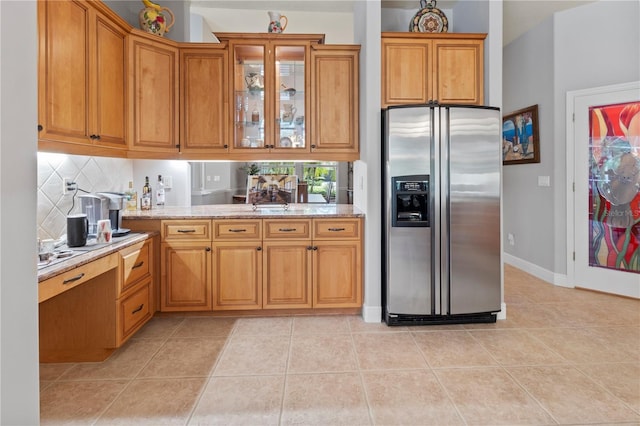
89,253
246,211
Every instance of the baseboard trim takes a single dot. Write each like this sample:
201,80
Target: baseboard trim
537,271
372,313
502,315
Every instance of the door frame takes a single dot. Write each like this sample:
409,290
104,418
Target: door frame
570,162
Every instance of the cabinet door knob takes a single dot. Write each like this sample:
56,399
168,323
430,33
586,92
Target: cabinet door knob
309,247
40,127
313,146
207,249
259,248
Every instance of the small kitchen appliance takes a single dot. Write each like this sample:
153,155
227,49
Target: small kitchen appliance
116,206
77,227
104,205
96,207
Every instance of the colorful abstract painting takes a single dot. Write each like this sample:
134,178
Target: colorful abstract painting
614,186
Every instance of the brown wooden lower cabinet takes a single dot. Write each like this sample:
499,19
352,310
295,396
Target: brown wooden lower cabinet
254,264
186,276
237,278
287,274
337,274
89,311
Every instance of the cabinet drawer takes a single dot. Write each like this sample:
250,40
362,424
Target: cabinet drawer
136,263
287,229
70,279
336,228
237,229
173,230
135,310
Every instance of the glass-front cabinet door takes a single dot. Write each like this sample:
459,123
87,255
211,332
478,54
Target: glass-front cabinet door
290,129
249,96
270,91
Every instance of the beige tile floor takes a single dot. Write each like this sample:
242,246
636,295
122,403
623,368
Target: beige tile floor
563,356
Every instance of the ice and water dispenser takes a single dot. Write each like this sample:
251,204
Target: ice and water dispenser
410,201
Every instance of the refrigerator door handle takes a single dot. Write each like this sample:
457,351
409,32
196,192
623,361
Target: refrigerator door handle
436,200
445,211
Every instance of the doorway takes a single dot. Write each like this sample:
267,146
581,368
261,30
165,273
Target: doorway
602,226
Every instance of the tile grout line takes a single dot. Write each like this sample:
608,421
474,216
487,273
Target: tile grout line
134,376
286,372
361,376
211,376
442,387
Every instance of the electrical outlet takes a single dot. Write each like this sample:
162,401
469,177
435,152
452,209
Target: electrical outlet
216,178
68,185
512,239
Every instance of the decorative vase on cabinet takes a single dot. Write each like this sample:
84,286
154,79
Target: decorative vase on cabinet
152,19
276,25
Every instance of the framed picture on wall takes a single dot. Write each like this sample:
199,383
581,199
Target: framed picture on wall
271,189
520,137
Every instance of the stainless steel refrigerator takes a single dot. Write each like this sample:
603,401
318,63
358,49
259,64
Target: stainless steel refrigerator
441,214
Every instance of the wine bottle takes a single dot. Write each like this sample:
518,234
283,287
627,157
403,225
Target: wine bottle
145,200
132,198
160,192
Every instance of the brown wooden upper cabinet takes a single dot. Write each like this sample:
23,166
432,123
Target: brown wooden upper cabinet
107,89
82,79
421,67
204,98
335,100
154,70
291,96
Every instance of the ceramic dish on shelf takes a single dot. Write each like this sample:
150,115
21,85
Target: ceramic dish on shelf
429,19
285,142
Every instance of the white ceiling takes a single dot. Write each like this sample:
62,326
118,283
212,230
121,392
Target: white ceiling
519,16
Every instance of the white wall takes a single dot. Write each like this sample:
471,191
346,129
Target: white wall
337,26
528,80
367,175
179,171
19,386
569,51
602,57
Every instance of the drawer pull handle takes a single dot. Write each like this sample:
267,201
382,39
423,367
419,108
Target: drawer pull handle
287,229
336,229
137,265
72,279
237,230
186,231
138,309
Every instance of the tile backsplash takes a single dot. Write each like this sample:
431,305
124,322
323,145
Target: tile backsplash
90,173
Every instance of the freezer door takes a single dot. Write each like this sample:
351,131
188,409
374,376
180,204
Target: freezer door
473,209
407,250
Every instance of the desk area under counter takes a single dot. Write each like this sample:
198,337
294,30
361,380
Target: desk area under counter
92,302
235,259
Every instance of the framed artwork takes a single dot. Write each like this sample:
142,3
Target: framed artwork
520,137
271,189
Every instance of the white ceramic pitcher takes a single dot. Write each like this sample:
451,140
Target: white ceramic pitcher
277,25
